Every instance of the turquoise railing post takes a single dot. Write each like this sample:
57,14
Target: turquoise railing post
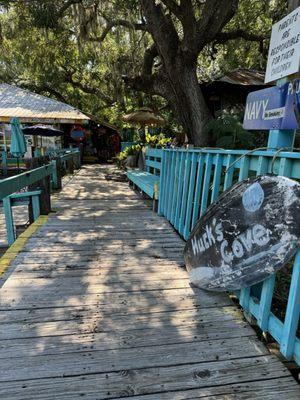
9,220
206,183
245,293
180,188
189,204
291,321
162,183
54,175
267,287
35,201
171,193
4,162
217,178
168,183
281,138
184,193
198,189
229,172
175,186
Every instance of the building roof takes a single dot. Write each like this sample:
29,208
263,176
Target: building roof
241,76
34,108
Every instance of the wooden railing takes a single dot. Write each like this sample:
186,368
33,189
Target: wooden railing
193,179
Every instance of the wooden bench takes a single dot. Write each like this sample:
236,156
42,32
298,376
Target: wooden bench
148,181
19,199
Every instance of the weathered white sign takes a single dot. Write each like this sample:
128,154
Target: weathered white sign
284,51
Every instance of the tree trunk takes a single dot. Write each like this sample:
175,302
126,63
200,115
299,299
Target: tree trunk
188,103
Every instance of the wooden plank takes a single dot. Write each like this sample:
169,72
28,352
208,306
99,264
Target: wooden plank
123,383
61,344
267,390
99,274
91,320
164,298
98,306
96,362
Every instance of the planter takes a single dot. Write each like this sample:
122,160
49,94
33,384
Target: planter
131,161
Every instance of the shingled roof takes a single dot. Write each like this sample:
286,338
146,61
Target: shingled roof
243,76
35,108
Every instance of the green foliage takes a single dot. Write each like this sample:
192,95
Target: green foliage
61,53
129,151
157,141
228,133
255,17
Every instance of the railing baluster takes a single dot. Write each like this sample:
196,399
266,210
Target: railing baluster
198,188
187,224
176,182
206,183
186,181
269,283
180,186
162,183
285,167
229,172
245,293
171,185
265,303
291,321
217,178
166,199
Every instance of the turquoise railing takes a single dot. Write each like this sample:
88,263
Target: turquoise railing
15,183
193,179
11,185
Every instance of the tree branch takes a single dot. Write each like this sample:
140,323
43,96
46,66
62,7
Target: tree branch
216,14
67,5
173,7
162,29
69,78
113,24
150,54
155,84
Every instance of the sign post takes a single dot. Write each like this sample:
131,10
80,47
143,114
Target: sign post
279,138
284,60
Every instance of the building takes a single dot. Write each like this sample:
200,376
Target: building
232,89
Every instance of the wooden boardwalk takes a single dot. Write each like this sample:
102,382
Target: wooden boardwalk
99,306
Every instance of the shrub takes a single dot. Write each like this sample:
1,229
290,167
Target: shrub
227,131
157,141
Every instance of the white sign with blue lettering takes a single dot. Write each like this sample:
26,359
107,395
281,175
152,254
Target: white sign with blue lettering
284,51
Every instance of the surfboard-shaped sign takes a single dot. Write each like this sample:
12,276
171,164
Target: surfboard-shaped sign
251,232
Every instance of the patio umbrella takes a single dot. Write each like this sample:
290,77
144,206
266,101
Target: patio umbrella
144,116
18,143
42,130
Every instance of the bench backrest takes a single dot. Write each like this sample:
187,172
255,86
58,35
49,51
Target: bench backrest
153,160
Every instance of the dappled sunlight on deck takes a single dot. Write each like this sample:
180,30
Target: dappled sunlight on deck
99,306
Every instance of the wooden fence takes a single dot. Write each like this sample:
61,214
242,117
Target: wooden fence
193,179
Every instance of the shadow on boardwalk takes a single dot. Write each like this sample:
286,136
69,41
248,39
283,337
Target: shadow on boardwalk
99,306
